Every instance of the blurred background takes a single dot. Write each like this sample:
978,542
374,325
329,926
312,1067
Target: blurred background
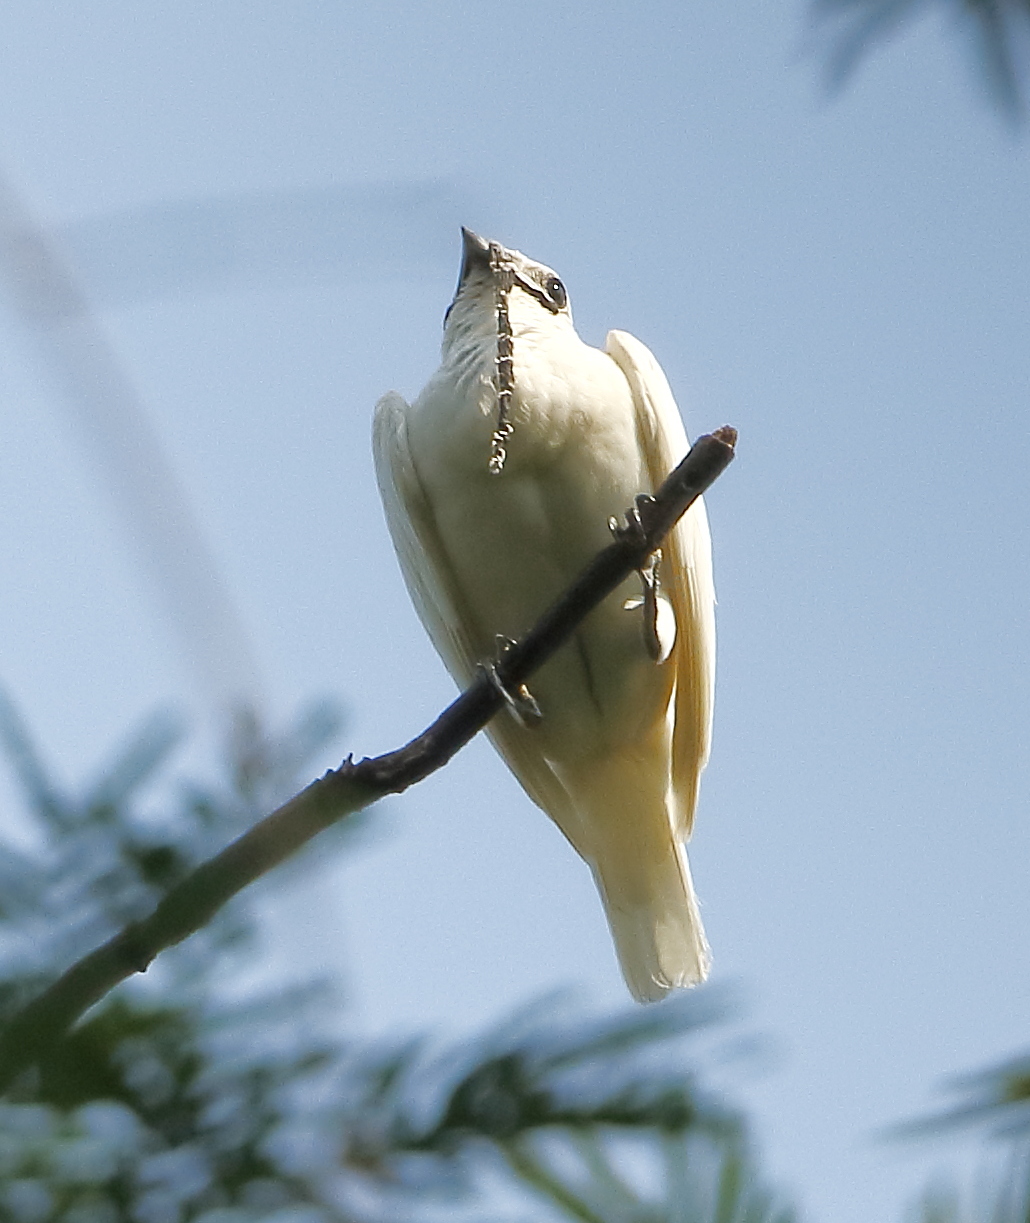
227,229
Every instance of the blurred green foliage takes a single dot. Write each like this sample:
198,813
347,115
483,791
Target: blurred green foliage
1000,1193
997,33
175,1100
993,1103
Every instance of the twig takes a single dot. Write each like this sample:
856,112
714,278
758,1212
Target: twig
195,900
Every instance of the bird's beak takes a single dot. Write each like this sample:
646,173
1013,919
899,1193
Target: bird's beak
475,256
475,253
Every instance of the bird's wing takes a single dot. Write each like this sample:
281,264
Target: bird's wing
685,574
409,516
438,600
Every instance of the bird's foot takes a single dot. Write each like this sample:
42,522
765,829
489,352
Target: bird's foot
649,606
520,703
633,528
659,620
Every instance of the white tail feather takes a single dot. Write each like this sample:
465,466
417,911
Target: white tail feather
656,924
626,820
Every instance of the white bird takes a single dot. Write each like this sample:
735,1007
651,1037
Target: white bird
490,524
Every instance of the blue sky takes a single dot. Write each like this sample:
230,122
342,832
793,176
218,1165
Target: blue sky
845,280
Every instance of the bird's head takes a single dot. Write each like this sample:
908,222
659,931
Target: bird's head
536,298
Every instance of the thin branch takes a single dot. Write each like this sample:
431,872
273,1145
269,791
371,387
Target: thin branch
192,903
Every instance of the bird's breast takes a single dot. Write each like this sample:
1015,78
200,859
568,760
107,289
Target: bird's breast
565,394
515,540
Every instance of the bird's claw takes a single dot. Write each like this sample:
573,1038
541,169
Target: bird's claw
634,527
649,578
520,703
634,530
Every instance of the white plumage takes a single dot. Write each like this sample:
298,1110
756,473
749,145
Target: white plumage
617,758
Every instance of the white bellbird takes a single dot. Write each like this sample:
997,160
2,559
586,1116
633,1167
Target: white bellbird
499,484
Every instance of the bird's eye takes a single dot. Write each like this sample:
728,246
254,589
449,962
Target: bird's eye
556,292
